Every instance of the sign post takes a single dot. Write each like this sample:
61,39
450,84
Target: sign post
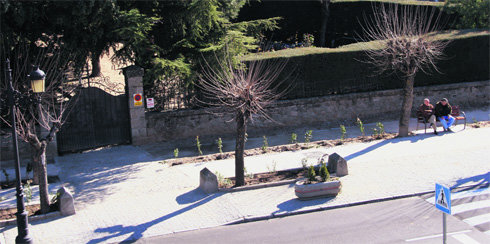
443,203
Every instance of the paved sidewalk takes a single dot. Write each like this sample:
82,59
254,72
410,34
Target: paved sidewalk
126,193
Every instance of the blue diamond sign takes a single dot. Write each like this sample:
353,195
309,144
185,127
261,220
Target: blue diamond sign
443,198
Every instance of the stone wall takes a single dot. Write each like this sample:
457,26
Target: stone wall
326,111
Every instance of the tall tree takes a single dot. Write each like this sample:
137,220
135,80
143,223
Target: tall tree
325,14
244,89
405,47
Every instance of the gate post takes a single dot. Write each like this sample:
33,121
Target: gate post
133,77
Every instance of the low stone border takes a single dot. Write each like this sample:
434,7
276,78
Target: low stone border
51,215
258,186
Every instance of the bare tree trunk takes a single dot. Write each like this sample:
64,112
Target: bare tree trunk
96,69
325,9
406,106
239,149
43,180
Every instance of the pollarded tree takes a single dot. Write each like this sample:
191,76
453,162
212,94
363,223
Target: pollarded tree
42,110
245,89
405,47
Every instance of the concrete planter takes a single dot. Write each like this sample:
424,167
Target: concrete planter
322,189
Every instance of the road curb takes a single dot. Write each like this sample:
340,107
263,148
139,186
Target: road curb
32,218
323,208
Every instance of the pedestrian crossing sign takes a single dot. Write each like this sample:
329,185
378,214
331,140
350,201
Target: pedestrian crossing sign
443,198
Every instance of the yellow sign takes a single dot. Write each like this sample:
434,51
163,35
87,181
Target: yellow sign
138,100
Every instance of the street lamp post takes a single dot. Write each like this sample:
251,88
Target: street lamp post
36,77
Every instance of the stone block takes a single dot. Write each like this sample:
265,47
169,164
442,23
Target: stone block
337,165
208,182
66,202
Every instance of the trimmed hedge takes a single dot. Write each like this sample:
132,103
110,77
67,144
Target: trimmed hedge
319,74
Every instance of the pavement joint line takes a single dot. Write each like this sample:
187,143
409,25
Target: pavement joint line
323,208
437,235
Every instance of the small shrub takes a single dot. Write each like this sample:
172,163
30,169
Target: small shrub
304,162
294,138
265,144
198,144
381,128
176,153
28,191
308,136
222,181
343,132
311,174
308,40
249,175
220,145
324,172
273,168
360,125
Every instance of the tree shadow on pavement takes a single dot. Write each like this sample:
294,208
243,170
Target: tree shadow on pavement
191,196
137,231
479,180
412,139
296,204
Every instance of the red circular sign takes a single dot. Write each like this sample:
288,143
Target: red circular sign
137,97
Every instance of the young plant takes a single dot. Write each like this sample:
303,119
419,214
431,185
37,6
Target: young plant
294,138
249,175
381,128
265,144
220,145
198,144
311,174
343,132
273,169
304,162
176,153
360,125
222,181
28,191
324,172
308,136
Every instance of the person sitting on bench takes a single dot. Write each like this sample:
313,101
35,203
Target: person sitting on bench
426,111
443,113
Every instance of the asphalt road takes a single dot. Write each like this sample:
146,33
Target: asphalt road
410,220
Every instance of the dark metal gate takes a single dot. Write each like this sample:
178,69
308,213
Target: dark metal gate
97,119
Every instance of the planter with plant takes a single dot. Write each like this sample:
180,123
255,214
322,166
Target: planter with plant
321,185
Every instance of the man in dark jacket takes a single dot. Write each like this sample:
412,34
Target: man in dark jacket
426,111
443,113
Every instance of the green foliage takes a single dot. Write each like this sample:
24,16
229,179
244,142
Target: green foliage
249,175
343,132
265,144
222,181
273,168
473,13
198,145
308,136
379,129
324,172
311,175
220,145
294,138
176,153
308,40
360,125
304,163
28,191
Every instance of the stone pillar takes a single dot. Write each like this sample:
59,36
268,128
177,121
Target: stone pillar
133,76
